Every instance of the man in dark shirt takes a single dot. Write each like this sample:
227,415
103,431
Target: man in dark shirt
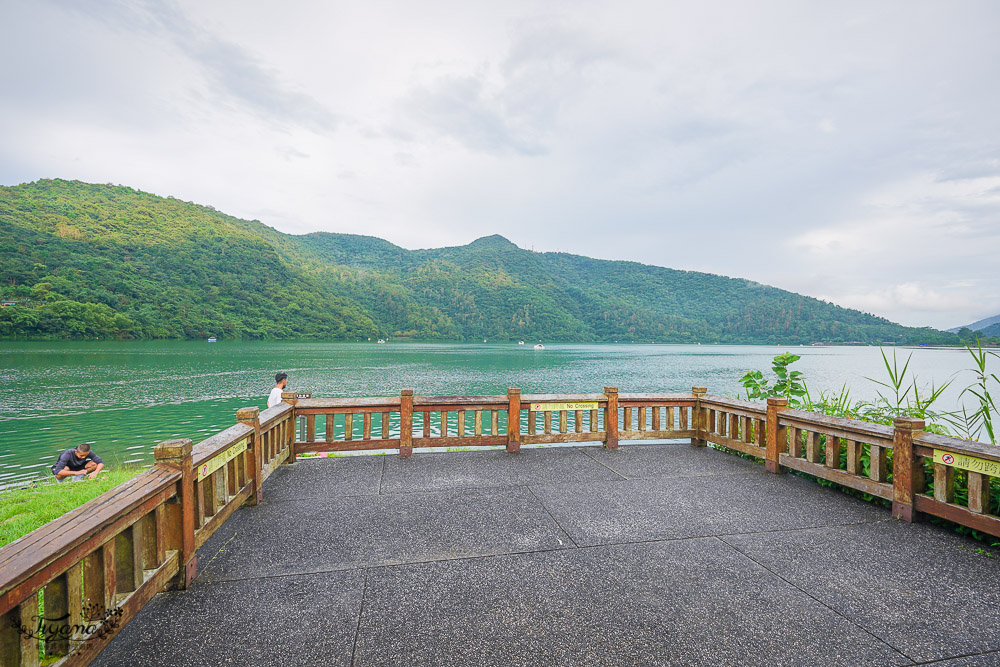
75,463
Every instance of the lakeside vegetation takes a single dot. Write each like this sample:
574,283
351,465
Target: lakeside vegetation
87,261
900,395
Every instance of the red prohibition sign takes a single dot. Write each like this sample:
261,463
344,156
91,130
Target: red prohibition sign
948,458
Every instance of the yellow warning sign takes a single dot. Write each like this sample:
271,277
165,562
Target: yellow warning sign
208,467
558,407
966,462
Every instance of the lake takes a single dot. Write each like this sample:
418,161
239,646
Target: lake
125,397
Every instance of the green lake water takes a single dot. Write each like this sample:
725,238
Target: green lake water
123,398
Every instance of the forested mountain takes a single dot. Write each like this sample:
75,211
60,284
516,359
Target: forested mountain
989,326
86,260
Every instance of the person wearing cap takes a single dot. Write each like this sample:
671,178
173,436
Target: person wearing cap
74,464
274,398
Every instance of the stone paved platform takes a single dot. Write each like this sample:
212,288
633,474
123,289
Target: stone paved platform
656,554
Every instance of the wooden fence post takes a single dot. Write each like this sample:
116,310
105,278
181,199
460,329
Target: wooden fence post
513,419
406,423
698,418
777,438
611,418
180,512
907,471
251,417
291,397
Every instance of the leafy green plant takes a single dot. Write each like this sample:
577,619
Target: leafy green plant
788,383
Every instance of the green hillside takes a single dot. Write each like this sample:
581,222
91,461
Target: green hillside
86,260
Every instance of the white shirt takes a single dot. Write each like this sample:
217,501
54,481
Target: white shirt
274,398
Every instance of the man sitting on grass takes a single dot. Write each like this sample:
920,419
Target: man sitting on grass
73,464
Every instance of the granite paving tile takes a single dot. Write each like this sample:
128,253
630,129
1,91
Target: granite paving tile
300,620
670,459
660,508
439,471
920,588
299,536
688,602
325,478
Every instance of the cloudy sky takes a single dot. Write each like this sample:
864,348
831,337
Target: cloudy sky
844,150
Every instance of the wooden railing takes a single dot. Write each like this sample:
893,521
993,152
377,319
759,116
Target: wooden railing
88,573
68,587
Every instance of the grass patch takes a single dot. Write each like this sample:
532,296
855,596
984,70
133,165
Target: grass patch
23,510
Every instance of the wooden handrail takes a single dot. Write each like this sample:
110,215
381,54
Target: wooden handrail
847,427
927,442
192,490
275,414
30,562
220,442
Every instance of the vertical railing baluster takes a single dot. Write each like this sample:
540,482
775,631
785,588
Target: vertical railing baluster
611,418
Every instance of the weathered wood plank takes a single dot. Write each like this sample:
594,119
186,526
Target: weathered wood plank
206,531
132,605
376,402
674,434
969,447
979,493
812,447
341,446
877,470
985,523
25,573
839,427
832,451
854,452
795,443
881,490
944,483
542,438
739,446
481,441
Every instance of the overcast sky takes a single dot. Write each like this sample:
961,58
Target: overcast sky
845,150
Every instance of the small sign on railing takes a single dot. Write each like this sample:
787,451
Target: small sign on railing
966,462
207,468
559,407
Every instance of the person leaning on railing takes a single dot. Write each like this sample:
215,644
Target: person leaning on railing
74,463
274,398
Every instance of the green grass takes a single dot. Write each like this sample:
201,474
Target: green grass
23,510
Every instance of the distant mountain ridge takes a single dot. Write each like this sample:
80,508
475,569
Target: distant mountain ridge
989,326
87,260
